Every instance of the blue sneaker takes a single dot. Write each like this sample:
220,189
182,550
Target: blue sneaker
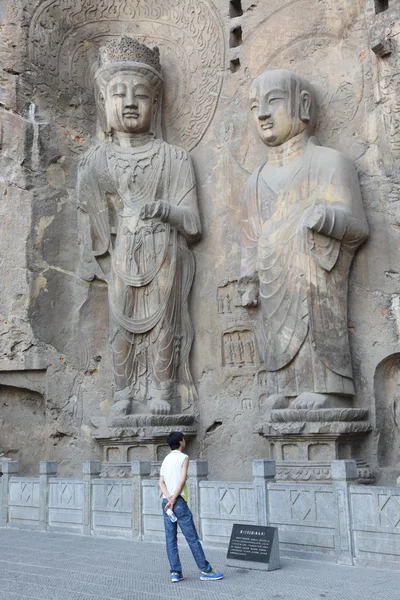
212,575
175,577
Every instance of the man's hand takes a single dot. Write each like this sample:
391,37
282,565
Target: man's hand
171,503
155,210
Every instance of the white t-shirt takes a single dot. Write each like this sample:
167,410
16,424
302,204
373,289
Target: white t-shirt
171,470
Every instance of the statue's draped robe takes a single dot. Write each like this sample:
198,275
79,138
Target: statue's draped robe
152,268
303,274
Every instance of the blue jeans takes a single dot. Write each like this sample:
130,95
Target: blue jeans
185,522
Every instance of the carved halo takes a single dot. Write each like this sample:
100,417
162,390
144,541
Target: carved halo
65,35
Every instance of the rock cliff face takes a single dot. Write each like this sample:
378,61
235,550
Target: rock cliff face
55,359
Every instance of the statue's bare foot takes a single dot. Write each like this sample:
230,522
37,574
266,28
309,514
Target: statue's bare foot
311,401
276,402
160,407
121,408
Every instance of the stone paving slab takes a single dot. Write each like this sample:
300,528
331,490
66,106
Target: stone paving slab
53,566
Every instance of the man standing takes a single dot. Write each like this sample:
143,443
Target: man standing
173,475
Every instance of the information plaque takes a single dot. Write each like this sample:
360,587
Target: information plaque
254,547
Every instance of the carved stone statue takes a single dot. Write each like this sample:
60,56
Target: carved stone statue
303,220
138,213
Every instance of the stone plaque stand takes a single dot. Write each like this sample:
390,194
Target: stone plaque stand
254,547
305,442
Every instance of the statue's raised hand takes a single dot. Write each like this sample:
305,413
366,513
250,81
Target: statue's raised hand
249,299
248,288
155,210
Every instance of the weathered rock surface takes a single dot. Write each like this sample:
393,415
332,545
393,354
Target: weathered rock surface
55,356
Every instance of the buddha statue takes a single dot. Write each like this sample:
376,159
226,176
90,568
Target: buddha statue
138,213
303,220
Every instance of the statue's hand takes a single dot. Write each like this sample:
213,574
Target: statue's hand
248,288
250,299
155,210
314,217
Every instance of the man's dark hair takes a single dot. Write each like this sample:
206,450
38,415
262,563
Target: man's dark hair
174,439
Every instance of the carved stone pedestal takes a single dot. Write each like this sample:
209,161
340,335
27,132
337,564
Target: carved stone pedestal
137,437
305,442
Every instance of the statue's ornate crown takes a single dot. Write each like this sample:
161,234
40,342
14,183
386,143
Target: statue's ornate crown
129,49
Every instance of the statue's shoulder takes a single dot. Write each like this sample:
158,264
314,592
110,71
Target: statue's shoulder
330,158
253,179
92,156
250,190
255,174
177,153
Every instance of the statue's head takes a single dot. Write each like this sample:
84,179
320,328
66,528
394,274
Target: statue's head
283,105
128,87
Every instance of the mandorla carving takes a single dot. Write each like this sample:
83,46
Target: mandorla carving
138,209
389,88
63,40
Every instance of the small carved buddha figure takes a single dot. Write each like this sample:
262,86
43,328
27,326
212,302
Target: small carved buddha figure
138,204
303,220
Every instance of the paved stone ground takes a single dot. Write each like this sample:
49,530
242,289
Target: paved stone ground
49,566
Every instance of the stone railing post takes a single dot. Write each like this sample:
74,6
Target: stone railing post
48,468
344,473
90,470
264,472
198,470
9,468
139,470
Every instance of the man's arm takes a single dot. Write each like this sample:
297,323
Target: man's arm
163,487
172,499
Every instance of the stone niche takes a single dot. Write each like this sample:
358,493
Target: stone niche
23,416
54,309
387,399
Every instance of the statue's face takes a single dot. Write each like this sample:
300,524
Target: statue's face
129,103
274,116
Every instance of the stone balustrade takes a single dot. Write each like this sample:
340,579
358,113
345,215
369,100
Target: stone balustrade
342,522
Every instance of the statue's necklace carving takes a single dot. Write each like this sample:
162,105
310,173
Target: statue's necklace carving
137,171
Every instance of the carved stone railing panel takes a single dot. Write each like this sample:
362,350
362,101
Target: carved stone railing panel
306,515
23,508
153,526
65,505
221,505
376,525
112,507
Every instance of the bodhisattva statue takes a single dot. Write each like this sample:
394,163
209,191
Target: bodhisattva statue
303,220
139,195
